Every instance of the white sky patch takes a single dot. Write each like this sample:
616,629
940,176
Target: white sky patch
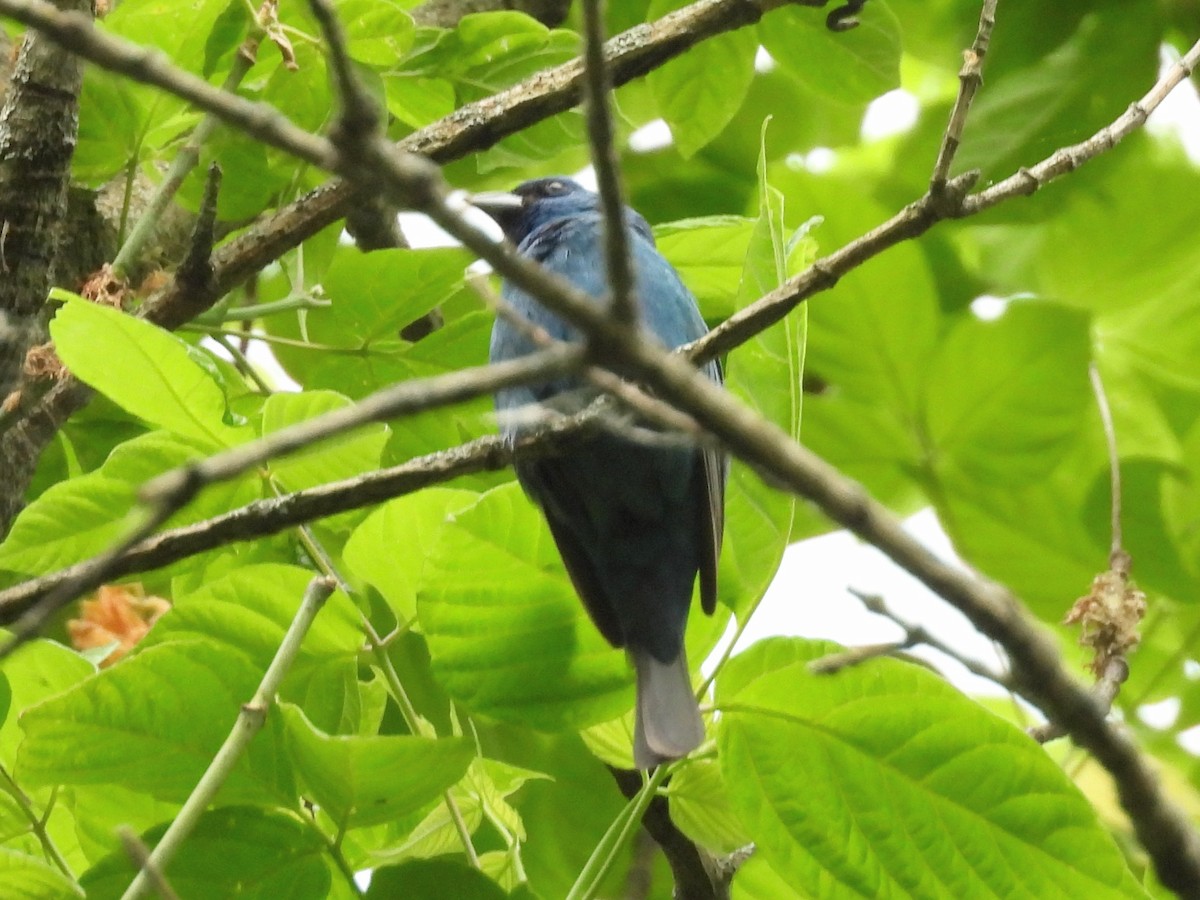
763,61
988,308
650,137
809,598
1189,740
1179,113
1160,715
894,113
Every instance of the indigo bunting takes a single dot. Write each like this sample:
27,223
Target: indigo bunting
634,521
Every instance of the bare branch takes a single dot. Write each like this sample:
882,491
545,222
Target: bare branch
1118,559
169,492
604,159
914,635
921,215
970,77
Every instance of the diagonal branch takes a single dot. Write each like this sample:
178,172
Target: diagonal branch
604,159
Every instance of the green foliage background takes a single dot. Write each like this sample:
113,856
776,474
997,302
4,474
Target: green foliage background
881,781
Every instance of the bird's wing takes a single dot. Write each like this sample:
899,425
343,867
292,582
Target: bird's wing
714,469
557,499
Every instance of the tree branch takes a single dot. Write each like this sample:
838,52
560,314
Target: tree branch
249,721
604,160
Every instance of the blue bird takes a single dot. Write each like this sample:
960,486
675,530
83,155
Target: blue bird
634,521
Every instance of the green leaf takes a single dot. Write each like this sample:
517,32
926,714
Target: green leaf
364,781
250,609
69,522
507,635
376,294
698,92
1022,536
111,112
709,254
42,669
766,374
433,878
378,32
1181,504
975,808
153,723
1004,399
79,517
850,66
701,807
243,852
389,549
1059,98
145,370
333,459
230,27
28,878
417,101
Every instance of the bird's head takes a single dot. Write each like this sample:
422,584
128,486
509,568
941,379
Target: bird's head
534,203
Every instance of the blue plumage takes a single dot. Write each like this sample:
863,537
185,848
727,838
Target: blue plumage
635,523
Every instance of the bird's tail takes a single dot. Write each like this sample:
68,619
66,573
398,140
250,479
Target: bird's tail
668,723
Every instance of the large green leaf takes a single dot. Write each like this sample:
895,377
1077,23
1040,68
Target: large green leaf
1004,399
41,669
433,878
83,516
340,457
376,294
1057,97
153,723
243,852
145,370
507,635
709,253
699,91
28,878
390,547
851,66
250,609
367,780
972,808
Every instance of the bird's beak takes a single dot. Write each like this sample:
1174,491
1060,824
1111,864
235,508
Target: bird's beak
494,201
504,208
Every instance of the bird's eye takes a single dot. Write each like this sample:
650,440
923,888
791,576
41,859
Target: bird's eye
556,187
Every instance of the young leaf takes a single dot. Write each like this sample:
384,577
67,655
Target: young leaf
363,781
32,879
507,635
389,549
700,91
883,780
145,370
153,723
244,852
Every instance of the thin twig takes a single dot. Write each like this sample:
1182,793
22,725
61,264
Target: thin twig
249,721
970,77
604,159
166,494
139,855
176,487
914,635
391,677
922,214
37,824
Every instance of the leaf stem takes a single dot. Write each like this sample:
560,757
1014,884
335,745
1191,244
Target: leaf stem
249,721
601,860
37,824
